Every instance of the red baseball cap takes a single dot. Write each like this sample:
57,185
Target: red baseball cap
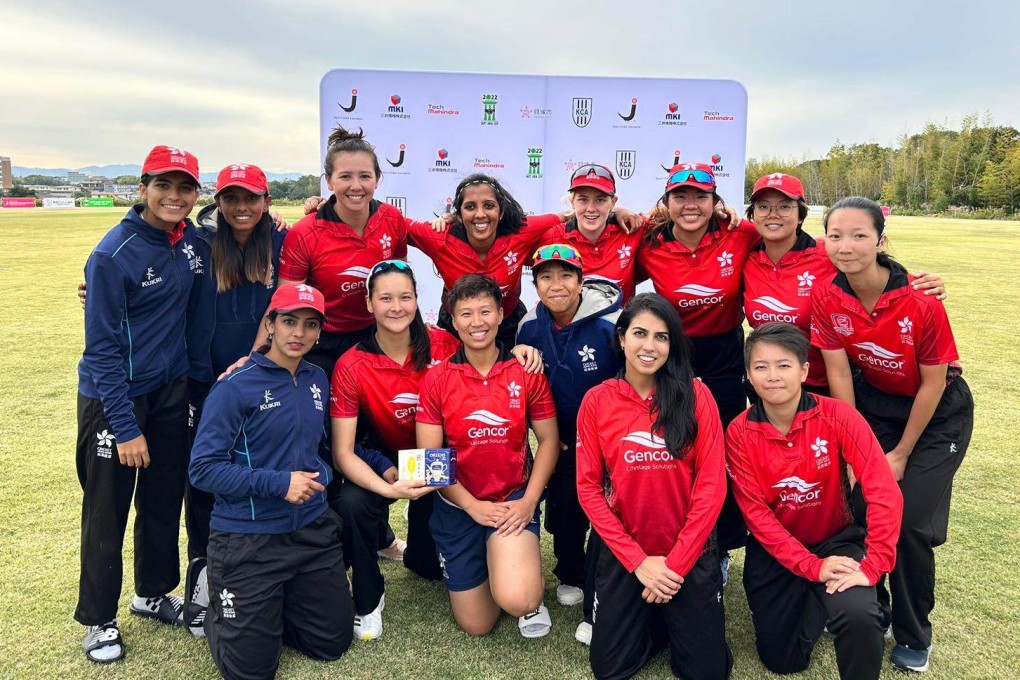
697,175
297,296
595,176
788,185
248,177
557,252
170,159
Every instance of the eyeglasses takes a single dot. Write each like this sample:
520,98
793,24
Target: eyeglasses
763,208
699,176
596,170
387,266
556,251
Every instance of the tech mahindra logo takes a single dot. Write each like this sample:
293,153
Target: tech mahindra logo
653,448
878,356
359,273
496,426
633,111
354,102
676,161
400,157
408,403
799,490
703,294
780,311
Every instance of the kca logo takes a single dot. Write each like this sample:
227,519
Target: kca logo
633,111
534,163
398,202
582,111
489,102
354,102
676,161
400,157
625,163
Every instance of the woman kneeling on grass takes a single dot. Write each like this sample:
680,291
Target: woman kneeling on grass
807,562
276,568
481,401
650,477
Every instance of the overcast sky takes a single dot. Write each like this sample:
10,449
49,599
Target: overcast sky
100,82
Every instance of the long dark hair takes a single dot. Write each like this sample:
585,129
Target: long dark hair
511,214
673,405
874,211
662,221
421,346
235,264
343,141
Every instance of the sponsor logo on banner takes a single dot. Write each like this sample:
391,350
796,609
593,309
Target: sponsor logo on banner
443,162
572,165
487,164
441,111
537,112
354,102
581,112
489,102
447,209
346,110
395,109
676,161
625,163
398,202
400,157
534,163
717,166
630,114
57,203
673,116
716,117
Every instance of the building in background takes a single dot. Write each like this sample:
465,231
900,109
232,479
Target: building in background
6,174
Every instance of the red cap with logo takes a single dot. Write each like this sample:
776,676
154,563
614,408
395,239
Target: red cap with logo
297,296
697,175
595,176
248,177
788,185
170,159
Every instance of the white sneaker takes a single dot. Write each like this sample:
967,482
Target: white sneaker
369,626
569,596
583,633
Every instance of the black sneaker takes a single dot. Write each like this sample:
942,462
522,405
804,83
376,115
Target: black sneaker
167,609
196,588
906,659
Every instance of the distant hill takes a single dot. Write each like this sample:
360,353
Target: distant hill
118,170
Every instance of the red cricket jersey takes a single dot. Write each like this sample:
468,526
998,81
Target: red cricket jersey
486,420
454,257
905,330
794,492
327,254
781,291
612,257
641,500
381,393
703,283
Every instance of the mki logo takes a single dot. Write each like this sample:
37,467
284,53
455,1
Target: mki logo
582,111
673,107
676,161
633,111
354,102
394,99
489,102
400,157
443,162
625,163
395,109
673,116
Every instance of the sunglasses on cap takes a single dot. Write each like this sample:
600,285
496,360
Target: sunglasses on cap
387,266
699,176
556,252
588,170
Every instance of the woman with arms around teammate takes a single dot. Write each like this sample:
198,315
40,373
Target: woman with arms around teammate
650,477
373,403
807,562
276,567
782,269
486,526
909,388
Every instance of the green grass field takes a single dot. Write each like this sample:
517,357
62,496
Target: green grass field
42,254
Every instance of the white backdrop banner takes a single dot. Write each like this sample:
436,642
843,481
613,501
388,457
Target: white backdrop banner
431,130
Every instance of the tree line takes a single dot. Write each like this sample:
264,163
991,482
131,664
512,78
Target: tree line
975,170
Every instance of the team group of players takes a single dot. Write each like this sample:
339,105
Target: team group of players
840,472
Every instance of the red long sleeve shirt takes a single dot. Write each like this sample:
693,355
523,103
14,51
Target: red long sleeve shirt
793,489
641,500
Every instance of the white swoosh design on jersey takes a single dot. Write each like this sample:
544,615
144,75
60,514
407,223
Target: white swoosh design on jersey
774,304
877,350
487,417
